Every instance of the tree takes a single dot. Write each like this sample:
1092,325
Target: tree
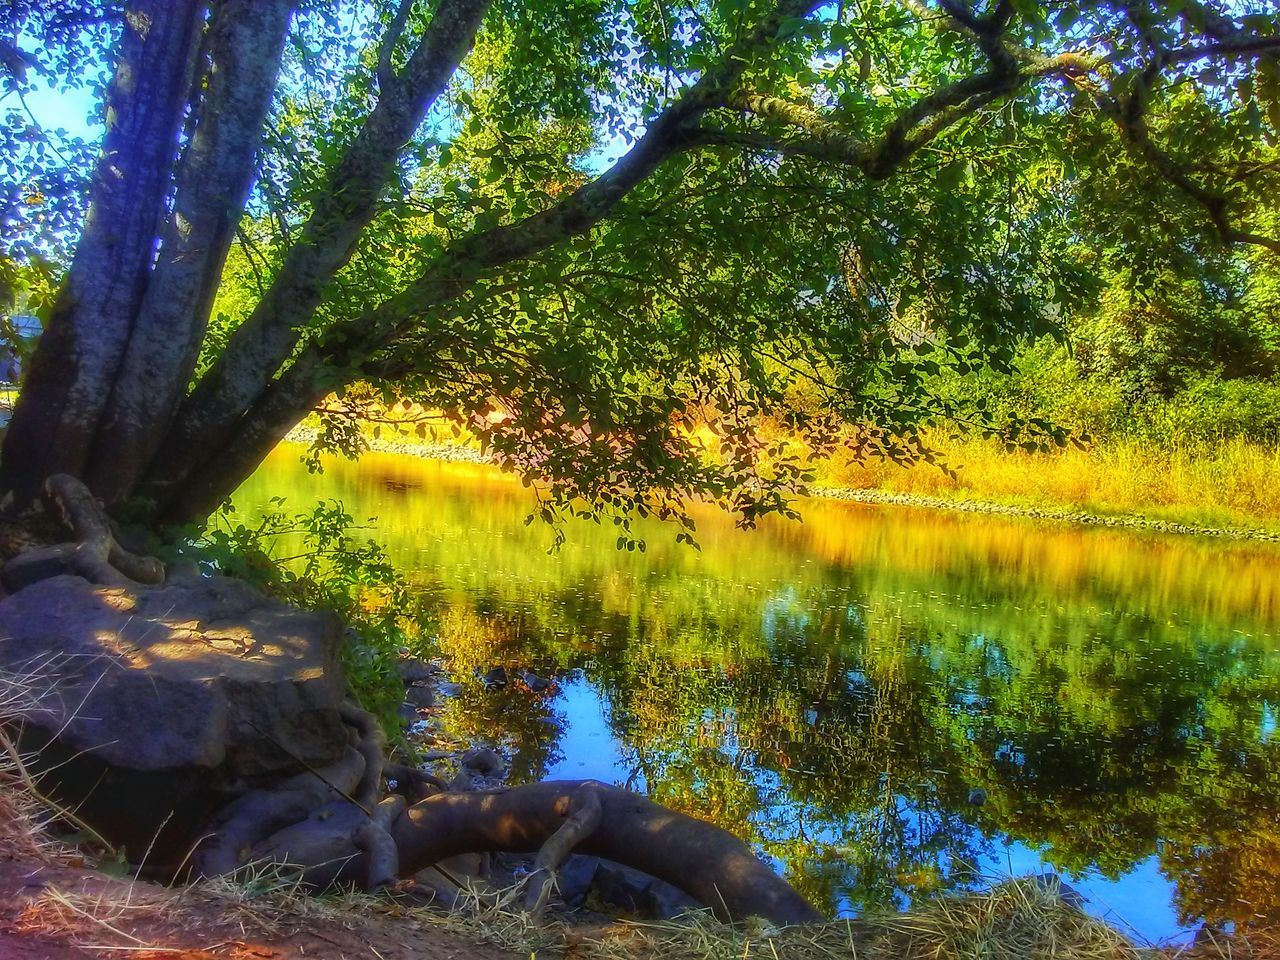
422,193
809,199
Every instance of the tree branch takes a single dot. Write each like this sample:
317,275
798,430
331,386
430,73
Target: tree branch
269,335
914,128
1129,115
386,50
1128,111
346,345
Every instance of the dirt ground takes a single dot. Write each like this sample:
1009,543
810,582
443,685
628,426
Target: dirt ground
56,912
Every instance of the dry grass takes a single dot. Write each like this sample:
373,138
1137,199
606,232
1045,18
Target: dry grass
1232,484
24,813
89,919
1020,920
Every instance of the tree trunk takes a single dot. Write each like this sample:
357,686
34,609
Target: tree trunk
264,342
246,38
300,389
75,365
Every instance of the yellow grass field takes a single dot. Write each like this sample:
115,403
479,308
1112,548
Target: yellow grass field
1232,484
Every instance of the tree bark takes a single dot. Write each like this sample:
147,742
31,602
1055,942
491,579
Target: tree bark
711,865
246,39
93,553
75,364
283,405
263,343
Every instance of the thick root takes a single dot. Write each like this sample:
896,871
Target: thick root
711,865
370,745
252,818
94,554
583,821
411,783
327,825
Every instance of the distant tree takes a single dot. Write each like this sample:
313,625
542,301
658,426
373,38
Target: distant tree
424,197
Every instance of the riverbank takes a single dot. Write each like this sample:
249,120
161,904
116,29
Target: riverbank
1013,485
60,903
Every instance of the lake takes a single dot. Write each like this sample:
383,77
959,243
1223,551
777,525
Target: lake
887,702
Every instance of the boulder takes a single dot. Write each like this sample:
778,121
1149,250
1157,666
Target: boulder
419,697
415,671
153,705
628,889
484,761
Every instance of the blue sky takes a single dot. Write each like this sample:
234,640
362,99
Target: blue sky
71,110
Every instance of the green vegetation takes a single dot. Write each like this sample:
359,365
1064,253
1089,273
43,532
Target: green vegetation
656,258
326,567
1206,456
1168,370
587,231
1170,389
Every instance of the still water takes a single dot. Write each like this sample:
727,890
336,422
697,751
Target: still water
887,702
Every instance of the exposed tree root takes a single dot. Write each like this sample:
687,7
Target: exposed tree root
249,820
710,864
334,826
370,745
583,821
329,825
411,783
95,554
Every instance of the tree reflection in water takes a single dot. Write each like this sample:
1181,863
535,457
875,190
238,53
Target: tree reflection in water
842,691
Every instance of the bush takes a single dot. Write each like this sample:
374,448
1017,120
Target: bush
1210,409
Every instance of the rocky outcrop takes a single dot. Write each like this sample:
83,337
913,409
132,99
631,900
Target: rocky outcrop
164,701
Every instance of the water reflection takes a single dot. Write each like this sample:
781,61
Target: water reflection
887,702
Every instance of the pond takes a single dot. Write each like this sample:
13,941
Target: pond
887,702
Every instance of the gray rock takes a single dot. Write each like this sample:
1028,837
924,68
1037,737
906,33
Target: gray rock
174,697
662,901
573,879
620,886
200,673
420,697
536,683
626,888
496,677
415,671
484,762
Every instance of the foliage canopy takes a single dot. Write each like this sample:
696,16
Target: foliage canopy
589,229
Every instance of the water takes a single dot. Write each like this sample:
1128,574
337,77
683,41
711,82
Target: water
887,702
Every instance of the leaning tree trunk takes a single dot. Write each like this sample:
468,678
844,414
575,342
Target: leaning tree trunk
106,399
258,348
75,365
